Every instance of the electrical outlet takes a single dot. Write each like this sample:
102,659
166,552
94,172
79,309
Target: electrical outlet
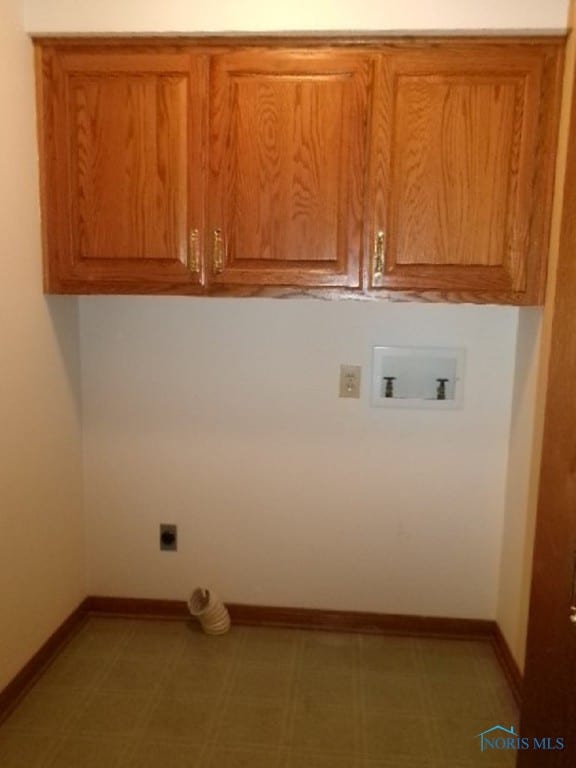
350,380
168,537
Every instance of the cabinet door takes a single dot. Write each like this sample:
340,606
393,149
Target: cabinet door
288,146
123,187
463,168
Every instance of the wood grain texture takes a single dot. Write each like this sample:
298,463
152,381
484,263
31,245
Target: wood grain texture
454,155
288,155
125,143
118,197
549,706
129,183
460,169
29,674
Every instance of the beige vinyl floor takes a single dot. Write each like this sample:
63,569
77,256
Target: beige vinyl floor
152,694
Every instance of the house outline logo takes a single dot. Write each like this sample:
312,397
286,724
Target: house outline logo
509,731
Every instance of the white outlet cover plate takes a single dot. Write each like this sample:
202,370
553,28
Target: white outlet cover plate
416,370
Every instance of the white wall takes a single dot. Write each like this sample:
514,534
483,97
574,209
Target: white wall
520,511
41,540
223,417
261,15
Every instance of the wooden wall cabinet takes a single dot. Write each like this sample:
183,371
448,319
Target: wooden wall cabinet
417,169
123,177
464,148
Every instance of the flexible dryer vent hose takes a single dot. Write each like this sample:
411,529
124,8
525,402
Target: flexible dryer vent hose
210,611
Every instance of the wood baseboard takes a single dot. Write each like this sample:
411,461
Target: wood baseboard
301,618
137,607
365,622
32,670
508,663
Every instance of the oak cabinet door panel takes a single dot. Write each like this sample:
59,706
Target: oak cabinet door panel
288,149
127,159
462,168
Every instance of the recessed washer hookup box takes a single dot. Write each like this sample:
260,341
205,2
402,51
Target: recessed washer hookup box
418,377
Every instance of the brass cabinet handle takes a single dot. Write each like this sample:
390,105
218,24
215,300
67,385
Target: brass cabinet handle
194,251
378,269
217,251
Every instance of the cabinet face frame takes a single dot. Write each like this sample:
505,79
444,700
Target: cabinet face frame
162,239
409,179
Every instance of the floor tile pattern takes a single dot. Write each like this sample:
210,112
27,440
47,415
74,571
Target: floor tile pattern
153,694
